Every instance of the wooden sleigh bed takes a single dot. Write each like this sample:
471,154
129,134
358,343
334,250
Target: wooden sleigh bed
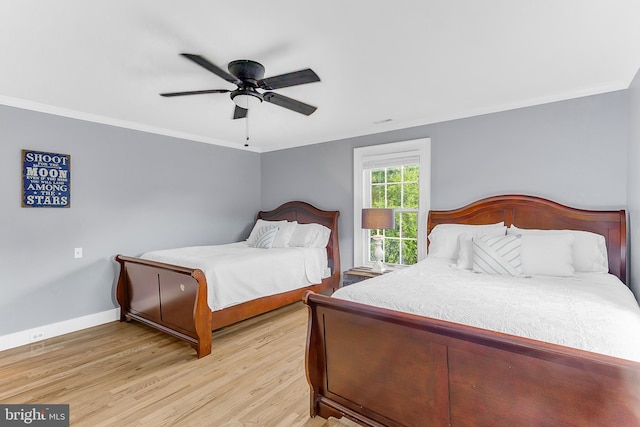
383,367
173,299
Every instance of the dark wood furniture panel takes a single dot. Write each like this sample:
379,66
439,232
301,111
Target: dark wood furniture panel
383,367
173,299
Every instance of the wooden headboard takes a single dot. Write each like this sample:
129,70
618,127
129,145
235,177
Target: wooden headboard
305,213
535,212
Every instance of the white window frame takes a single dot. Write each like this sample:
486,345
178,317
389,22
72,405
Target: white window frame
384,155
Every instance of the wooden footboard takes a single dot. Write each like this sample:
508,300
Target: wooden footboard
173,299
167,297
381,367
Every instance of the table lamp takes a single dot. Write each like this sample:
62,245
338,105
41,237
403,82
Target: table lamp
378,219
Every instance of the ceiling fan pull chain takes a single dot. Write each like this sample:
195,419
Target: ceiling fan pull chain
246,144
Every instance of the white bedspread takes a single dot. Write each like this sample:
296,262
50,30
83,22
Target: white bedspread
238,273
591,311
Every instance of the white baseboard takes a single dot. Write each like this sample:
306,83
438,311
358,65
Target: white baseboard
30,336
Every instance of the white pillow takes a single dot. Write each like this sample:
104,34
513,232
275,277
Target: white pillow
499,255
285,230
321,239
589,249
465,248
310,236
258,225
265,237
443,240
547,254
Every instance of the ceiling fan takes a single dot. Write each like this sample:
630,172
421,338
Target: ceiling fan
248,76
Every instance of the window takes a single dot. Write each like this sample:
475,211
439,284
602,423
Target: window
393,176
397,187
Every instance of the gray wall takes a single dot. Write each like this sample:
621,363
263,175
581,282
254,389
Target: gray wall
131,192
633,186
572,151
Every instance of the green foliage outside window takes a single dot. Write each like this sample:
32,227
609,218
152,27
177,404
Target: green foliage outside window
397,188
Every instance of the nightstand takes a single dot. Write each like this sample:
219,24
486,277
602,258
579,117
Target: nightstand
357,274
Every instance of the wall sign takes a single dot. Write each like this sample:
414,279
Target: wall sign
46,180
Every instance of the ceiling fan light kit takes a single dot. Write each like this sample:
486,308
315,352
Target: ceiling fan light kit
246,98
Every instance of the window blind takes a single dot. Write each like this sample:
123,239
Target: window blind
390,160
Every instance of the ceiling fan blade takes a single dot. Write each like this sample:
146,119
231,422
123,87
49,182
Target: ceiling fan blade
291,104
195,92
211,67
239,113
290,79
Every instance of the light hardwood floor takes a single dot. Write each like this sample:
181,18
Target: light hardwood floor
128,374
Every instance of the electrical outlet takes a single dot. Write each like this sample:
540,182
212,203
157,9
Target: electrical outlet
36,336
77,253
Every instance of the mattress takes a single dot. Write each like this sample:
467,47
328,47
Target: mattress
237,273
589,311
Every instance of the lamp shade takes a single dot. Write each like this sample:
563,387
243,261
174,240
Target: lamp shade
378,219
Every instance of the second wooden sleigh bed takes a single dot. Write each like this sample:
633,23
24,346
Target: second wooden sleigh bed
383,367
173,298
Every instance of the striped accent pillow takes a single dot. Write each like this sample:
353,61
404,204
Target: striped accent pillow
497,255
265,237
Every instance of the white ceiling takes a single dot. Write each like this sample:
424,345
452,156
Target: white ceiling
384,65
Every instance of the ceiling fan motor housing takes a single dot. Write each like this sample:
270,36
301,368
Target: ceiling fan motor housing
248,71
